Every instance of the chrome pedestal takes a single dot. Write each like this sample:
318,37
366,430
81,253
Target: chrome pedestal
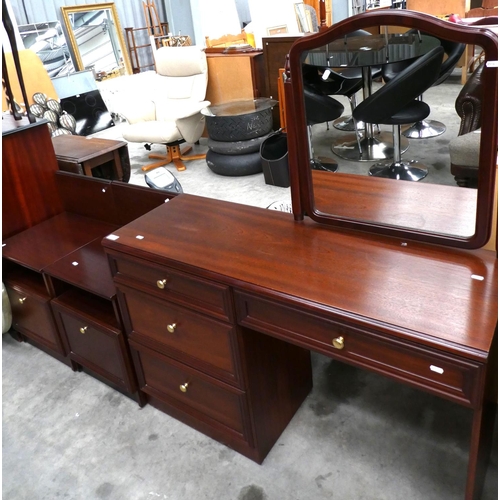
346,124
403,170
378,147
425,129
324,163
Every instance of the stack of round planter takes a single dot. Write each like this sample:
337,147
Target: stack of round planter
234,142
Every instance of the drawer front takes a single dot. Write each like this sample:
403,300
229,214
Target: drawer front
440,373
32,316
191,392
200,341
175,285
98,348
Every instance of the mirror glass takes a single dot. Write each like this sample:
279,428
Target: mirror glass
341,175
47,40
97,40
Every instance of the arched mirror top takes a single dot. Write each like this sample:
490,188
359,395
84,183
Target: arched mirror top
424,211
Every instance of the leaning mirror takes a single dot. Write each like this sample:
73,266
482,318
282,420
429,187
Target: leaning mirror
353,177
96,38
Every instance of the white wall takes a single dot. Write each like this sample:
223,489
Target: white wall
268,13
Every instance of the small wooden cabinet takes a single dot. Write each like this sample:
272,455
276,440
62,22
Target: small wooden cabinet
235,76
59,282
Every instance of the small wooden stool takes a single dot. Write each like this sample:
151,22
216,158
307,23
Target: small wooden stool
81,155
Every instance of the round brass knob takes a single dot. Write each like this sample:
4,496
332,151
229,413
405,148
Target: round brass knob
161,284
184,387
83,329
338,343
171,328
21,300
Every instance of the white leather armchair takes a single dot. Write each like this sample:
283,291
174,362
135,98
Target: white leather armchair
168,111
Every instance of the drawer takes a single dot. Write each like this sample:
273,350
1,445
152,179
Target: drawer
175,285
97,347
207,400
32,316
440,373
198,340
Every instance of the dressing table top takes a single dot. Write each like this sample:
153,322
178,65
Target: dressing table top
440,297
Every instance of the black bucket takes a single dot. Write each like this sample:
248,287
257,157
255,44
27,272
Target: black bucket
274,157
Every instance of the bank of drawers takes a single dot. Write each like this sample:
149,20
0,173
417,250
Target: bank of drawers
185,347
441,373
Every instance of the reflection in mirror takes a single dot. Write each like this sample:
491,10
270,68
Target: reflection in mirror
47,40
97,40
377,56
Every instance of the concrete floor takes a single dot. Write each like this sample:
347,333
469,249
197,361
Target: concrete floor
358,436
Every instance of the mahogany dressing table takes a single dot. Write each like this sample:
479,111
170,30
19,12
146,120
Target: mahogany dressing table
222,302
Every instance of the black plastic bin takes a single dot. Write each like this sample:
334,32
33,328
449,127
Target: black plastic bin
274,158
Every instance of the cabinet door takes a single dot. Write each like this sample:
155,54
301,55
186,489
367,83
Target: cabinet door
97,347
32,316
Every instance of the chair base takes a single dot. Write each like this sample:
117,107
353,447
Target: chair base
425,129
174,155
379,147
404,170
325,164
346,124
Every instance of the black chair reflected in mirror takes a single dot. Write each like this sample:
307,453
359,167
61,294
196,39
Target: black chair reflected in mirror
396,103
425,129
320,109
342,81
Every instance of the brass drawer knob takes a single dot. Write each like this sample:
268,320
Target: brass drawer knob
171,328
22,300
338,343
83,329
184,387
161,284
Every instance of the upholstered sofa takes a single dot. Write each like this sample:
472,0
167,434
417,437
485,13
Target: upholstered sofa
464,149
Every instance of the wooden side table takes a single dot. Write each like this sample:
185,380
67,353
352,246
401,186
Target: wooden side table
81,155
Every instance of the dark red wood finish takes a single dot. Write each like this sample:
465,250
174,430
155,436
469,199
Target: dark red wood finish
29,193
424,207
79,154
58,268
306,284
303,193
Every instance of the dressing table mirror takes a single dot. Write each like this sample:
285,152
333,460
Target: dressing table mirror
424,211
96,38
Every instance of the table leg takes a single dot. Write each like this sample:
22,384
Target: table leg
480,448
379,147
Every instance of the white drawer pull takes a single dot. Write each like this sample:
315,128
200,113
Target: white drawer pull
437,369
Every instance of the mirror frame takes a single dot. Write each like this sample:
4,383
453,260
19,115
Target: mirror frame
302,192
66,11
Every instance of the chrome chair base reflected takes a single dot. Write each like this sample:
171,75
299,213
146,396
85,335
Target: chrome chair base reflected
346,124
425,129
324,163
404,170
379,147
